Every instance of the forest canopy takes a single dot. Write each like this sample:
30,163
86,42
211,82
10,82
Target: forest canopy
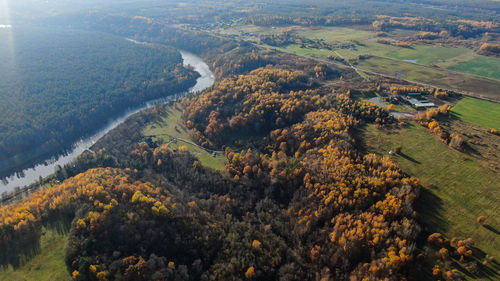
302,203
57,85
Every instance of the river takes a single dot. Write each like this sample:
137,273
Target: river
48,167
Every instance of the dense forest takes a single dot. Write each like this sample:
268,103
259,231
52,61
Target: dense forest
300,204
59,85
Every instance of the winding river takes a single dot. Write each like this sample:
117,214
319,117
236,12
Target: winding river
31,175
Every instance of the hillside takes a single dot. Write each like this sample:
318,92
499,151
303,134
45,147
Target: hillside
321,193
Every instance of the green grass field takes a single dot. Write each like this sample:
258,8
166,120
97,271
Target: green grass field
48,265
453,58
479,112
172,127
457,188
427,54
480,65
252,30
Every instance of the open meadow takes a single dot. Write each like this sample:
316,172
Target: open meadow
457,188
423,54
480,112
173,127
480,65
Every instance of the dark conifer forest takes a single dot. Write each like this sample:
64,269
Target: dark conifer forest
60,85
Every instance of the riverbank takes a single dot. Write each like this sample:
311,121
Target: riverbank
49,166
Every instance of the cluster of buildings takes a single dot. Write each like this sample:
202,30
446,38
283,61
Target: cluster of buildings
418,103
416,100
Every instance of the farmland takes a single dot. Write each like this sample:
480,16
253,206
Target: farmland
479,112
474,85
427,54
364,41
454,68
307,52
480,65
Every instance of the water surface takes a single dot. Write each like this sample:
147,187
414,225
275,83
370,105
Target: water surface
49,166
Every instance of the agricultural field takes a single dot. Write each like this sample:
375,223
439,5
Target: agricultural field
411,61
427,54
480,112
307,52
364,41
173,127
47,265
480,65
335,35
457,188
470,73
437,77
247,32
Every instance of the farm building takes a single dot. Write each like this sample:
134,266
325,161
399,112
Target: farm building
420,103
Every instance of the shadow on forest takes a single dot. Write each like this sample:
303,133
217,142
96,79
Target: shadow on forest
430,206
490,271
21,250
18,252
468,149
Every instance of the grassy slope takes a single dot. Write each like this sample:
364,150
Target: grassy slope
167,129
48,265
479,112
457,188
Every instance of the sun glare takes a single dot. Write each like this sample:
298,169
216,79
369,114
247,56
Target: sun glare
4,14
6,31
